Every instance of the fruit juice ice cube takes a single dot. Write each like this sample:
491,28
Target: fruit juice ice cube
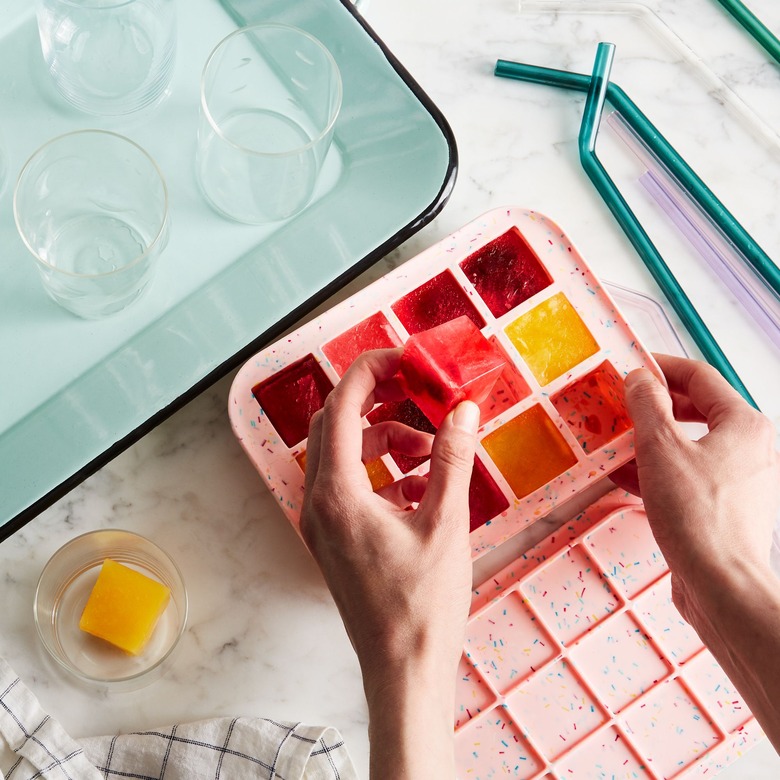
529,451
450,363
291,396
486,499
551,338
506,272
594,407
436,301
408,413
124,607
374,332
378,473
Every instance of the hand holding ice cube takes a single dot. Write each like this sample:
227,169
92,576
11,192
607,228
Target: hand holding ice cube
401,578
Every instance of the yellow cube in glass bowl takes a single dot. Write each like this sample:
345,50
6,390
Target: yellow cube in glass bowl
66,586
124,607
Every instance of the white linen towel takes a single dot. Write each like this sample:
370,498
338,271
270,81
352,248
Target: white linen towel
33,745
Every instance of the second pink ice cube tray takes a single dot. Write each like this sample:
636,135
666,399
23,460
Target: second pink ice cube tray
578,666
555,420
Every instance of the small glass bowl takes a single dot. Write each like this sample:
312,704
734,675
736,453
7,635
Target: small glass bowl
63,589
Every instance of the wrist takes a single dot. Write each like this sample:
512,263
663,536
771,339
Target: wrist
738,619
409,677
718,600
426,653
736,579
411,719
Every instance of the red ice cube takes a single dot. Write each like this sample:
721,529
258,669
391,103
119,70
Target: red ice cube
450,363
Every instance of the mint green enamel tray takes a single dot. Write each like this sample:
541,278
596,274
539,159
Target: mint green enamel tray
74,393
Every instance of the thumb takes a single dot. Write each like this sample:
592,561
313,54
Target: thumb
452,461
650,407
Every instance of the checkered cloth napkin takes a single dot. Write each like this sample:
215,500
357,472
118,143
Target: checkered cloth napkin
33,745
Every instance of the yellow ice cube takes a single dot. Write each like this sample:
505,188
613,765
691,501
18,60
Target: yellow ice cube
124,607
552,338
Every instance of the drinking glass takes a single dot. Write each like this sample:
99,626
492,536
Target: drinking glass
109,57
270,96
92,208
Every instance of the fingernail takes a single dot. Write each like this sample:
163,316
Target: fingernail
640,376
466,416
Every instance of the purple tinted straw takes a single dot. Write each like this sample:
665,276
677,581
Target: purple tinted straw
725,259
744,289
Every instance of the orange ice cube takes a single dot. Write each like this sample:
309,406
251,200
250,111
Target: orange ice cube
124,607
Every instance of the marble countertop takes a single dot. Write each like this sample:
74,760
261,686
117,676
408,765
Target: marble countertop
264,637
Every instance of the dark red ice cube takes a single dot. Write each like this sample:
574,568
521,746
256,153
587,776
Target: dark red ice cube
291,396
506,272
436,301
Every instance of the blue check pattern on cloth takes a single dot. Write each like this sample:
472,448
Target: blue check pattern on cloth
33,745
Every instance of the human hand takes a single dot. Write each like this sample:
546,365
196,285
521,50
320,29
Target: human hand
711,503
401,578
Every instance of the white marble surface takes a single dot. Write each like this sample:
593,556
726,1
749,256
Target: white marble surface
264,637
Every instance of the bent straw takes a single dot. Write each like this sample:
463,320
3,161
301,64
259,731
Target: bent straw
755,255
754,26
594,107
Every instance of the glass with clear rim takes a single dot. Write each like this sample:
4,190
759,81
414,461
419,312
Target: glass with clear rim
92,208
109,57
62,593
270,97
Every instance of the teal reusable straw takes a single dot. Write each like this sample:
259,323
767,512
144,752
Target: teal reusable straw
755,255
591,119
757,29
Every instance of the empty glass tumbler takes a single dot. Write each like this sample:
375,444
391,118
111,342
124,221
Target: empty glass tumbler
109,57
92,208
270,97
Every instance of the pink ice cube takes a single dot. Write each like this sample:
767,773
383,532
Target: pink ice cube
450,363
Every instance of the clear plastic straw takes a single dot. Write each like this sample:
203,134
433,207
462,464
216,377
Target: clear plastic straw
722,256
741,286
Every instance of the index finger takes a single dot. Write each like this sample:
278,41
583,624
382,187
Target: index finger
705,387
353,396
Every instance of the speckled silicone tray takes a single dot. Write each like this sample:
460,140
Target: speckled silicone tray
577,665
556,419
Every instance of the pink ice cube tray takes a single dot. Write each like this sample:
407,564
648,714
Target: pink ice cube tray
554,422
578,666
